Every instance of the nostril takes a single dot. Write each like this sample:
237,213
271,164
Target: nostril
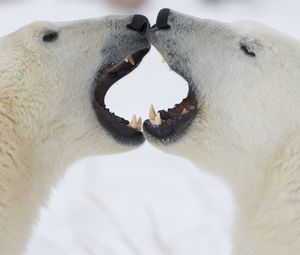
140,24
162,20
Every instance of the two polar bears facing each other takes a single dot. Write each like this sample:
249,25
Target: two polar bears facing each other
239,120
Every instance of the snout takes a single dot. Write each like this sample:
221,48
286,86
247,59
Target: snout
162,30
170,36
172,24
162,20
140,24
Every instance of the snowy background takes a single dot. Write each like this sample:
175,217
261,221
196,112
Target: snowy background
143,202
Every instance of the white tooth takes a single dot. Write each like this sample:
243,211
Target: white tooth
139,124
131,60
157,119
126,60
152,113
133,122
184,111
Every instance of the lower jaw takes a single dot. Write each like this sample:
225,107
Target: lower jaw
171,131
123,135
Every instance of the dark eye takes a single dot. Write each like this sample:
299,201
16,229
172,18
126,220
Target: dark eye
247,50
50,36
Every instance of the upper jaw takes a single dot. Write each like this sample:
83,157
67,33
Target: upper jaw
168,38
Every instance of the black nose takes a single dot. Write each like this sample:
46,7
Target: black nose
162,20
140,24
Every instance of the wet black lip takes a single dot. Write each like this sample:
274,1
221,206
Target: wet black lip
114,125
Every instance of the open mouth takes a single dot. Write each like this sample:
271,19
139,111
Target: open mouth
121,129
169,125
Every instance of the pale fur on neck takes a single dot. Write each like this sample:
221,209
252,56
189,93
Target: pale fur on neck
268,215
26,181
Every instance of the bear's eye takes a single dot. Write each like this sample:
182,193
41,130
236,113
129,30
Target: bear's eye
247,50
50,36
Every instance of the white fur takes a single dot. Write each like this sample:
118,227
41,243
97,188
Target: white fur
247,130
46,116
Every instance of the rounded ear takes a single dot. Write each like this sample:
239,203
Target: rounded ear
250,47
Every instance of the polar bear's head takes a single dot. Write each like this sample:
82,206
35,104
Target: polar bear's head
54,77
244,92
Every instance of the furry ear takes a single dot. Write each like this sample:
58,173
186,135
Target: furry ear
250,47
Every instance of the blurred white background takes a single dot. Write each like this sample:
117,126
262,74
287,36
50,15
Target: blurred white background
143,202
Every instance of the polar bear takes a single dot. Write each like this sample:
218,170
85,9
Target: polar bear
240,121
53,80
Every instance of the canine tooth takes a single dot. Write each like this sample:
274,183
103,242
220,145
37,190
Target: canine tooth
157,120
133,122
131,60
184,111
139,124
126,60
152,113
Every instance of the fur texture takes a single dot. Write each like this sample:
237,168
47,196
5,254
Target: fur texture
247,129
46,116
